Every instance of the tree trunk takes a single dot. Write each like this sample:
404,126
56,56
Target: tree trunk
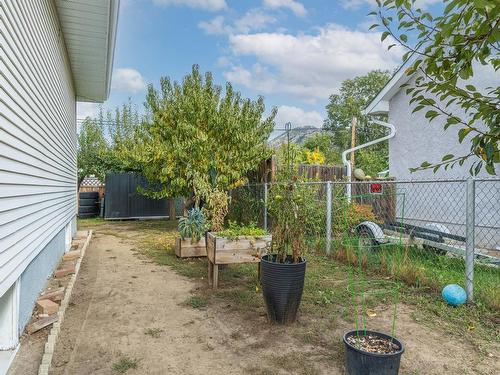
172,211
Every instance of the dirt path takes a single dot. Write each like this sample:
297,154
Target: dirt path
127,311
117,299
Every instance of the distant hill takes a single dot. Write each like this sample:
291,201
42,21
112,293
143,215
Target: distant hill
297,135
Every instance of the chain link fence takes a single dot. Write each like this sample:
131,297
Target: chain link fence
460,217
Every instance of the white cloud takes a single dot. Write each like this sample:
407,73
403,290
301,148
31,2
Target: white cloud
253,20
84,110
211,5
297,117
356,4
309,66
214,26
297,8
128,80
259,78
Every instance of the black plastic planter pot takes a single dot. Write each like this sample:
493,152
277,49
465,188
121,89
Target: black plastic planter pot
282,286
360,362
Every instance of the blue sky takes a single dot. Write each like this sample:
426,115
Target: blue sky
294,53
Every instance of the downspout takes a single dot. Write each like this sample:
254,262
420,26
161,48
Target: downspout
347,164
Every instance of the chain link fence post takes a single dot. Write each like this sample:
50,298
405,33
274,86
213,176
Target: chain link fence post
265,205
328,217
469,235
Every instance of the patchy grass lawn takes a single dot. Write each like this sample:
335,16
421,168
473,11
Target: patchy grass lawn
326,297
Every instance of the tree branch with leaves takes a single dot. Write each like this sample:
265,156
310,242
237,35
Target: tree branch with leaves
92,150
199,139
446,51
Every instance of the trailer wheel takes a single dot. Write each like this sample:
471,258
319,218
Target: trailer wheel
440,228
433,249
367,239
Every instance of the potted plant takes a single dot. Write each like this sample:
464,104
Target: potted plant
192,228
235,244
370,351
283,270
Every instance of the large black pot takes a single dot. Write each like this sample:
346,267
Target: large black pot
360,362
282,285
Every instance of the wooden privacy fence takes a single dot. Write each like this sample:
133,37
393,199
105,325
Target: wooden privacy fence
100,189
267,170
321,172
90,184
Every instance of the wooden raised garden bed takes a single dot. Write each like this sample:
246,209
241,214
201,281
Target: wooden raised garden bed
188,249
243,249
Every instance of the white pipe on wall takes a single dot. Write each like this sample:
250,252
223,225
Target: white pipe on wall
347,164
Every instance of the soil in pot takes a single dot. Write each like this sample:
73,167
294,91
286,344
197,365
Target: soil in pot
373,344
372,353
282,286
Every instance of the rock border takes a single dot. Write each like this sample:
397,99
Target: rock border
50,345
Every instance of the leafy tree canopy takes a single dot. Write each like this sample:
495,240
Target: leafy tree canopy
373,160
121,126
198,138
448,50
353,97
92,150
102,141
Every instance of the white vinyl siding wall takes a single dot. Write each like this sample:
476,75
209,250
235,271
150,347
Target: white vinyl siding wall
37,134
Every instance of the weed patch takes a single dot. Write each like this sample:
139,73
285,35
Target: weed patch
197,302
153,332
125,364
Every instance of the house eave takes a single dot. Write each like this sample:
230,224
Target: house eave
89,31
380,104
381,108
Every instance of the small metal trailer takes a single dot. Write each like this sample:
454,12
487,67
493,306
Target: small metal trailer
434,237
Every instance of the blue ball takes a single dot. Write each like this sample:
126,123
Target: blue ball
454,294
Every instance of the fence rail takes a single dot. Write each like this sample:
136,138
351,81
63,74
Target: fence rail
458,216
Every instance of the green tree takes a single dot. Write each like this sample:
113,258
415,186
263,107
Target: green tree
120,127
372,160
353,97
446,51
199,138
355,94
103,141
92,150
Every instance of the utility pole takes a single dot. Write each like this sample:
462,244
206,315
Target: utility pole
354,123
